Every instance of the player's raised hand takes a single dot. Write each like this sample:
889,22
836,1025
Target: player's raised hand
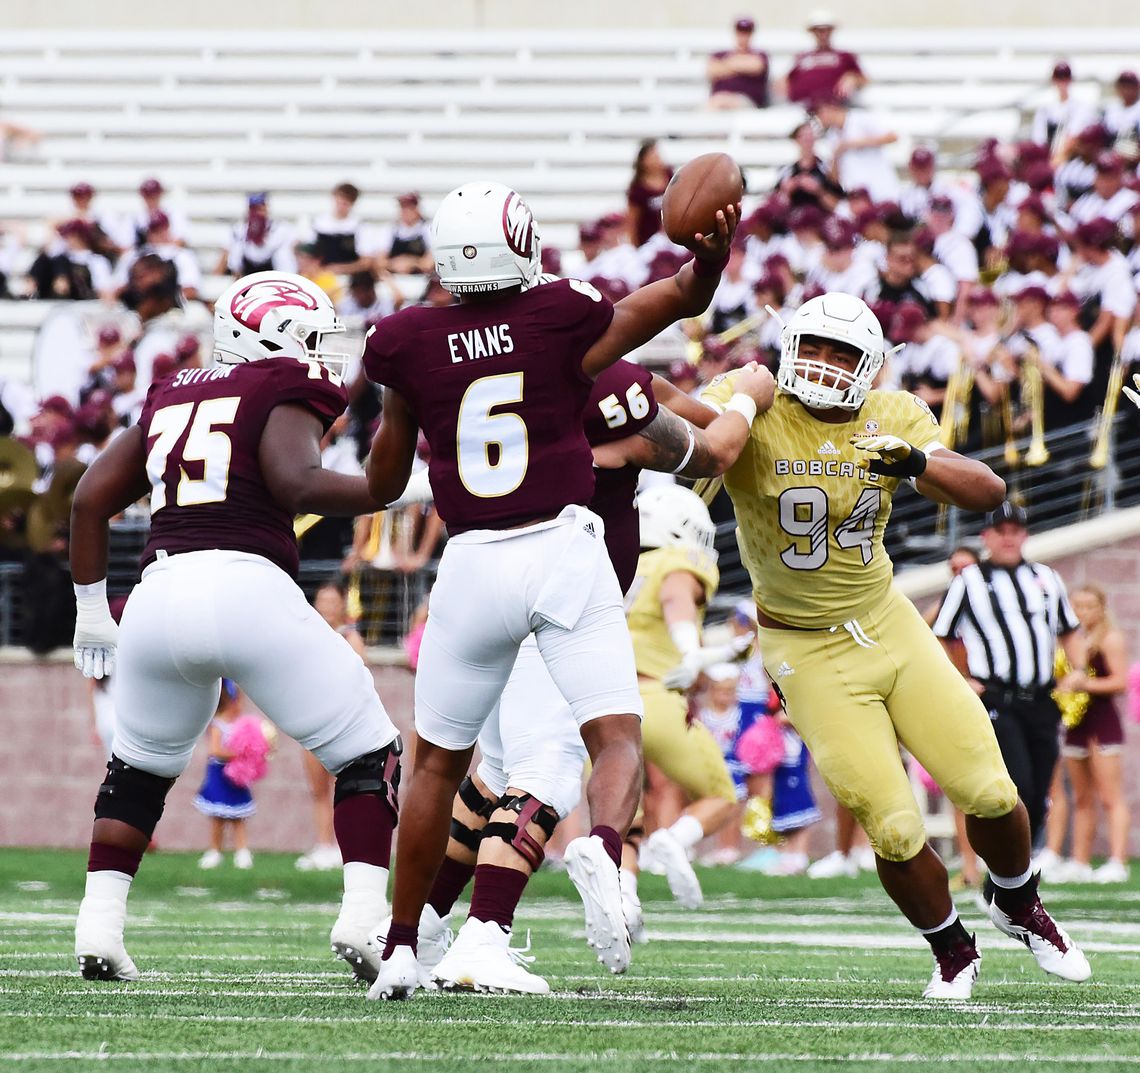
1133,395
755,381
891,456
715,245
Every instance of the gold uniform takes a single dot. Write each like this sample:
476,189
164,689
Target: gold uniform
689,755
861,671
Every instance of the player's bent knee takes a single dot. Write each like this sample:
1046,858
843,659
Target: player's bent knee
483,808
132,796
376,773
898,836
527,809
996,798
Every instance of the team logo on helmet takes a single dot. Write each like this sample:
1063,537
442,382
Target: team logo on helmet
251,305
518,225
470,252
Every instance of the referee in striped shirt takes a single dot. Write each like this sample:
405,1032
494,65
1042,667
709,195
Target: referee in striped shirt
1009,614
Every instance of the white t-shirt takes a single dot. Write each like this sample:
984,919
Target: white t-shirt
367,239
939,284
870,168
854,279
1065,117
1112,281
957,253
179,224
185,264
276,248
1044,336
1092,206
1072,356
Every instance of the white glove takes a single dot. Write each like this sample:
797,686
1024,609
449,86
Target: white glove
698,659
96,633
1133,397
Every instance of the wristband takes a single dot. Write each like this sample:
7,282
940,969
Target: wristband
704,269
689,453
88,594
744,406
685,636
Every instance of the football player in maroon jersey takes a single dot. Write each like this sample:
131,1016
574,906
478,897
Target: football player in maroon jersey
228,456
499,385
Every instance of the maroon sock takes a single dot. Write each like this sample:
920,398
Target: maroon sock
400,935
363,826
612,842
497,893
450,880
105,858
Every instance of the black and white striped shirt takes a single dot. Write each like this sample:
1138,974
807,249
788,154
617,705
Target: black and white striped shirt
1008,619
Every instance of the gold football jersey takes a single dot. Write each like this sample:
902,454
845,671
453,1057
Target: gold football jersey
810,514
652,645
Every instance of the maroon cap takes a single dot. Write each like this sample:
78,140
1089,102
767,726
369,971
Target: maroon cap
992,170
923,239
769,282
982,296
941,203
158,221
838,234
1127,78
1038,176
682,370
806,218
74,227
870,215
1028,151
772,212
150,187
776,262
1035,205
1020,244
57,404
408,198
745,25
883,310
82,190
1109,163
922,158
1099,233
126,364
589,232
109,335
1047,246
908,318
612,220
162,366
551,259
1062,72
1066,298
1033,293
860,193
1095,134
187,347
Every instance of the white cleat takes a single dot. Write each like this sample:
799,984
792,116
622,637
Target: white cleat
351,935
835,865
399,977
631,908
481,959
1047,941
99,945
432,942
679,874
955,972
595,876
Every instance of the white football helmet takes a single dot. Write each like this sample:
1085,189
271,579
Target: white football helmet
484,239
276,315
845,319
671,515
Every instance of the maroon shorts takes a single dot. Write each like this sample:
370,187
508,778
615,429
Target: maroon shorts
1101,726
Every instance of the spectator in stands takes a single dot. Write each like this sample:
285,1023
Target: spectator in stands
738,77
1075,176
732,301
807,180
152,294
765,235
75,272
366,302
838,269
650,177
405,247
996,216
683,376
309,265
1122,116
161,243
1109,198
1103,282
108,236
151,191
1067,368
1019,272
128,398
805,244
952,248
108,349
924,185
934,279
617,260
898,281
854,142
928,359
1059,118
823,71
258,243
344,245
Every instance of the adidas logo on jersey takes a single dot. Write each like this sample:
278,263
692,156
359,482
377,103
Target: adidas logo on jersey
785,670
829,448
589,528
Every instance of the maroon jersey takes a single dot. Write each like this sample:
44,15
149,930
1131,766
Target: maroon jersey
203,431
815,74
498,390
649,201
620,405
754,87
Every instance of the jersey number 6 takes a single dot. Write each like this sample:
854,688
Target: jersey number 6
492,449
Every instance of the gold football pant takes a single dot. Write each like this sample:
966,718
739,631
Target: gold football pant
855,693
689,755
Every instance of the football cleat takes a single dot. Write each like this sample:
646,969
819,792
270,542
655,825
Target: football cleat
351,935
99,945
1047,941
679,874
400,976
595,876
481,959
433,941
631,908
955,971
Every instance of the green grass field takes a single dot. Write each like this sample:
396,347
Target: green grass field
772,973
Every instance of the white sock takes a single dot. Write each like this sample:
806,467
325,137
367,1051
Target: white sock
945,924
365,879
109,886
627,880
688,831
1012,882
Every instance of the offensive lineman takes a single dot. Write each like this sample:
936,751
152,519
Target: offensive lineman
858,670
499,385
228,456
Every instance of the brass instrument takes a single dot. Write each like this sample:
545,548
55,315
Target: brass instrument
1098,457
756,823
1073,705
1033,392
1012,455
18,467
740,329
18,471
954,426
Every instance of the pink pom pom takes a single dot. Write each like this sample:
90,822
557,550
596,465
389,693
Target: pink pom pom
412,644
761,746
1134,691
924,777
250,747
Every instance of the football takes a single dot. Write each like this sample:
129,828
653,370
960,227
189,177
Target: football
698,189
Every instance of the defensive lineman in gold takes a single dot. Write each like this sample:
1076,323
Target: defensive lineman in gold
857,667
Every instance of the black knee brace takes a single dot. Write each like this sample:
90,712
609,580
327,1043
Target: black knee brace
132,796
482,806
373,773
529,810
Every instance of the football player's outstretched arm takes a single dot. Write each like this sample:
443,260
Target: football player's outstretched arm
963,482
672,445
692,410
393,450
290,458
651,309
115,480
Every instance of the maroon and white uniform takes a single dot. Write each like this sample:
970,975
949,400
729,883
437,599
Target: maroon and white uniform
217,597
498,389
816,74
546,757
